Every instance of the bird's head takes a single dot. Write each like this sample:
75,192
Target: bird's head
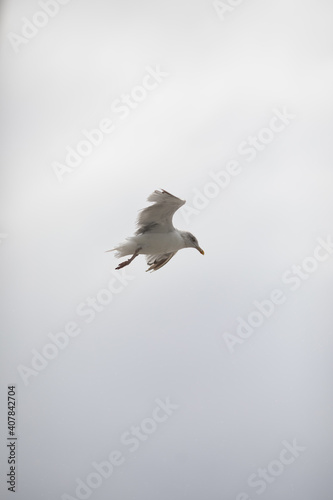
191,241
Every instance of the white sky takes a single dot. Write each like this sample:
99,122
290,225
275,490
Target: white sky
162,334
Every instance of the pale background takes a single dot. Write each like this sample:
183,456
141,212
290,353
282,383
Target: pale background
162,335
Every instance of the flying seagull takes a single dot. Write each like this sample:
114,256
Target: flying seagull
156,237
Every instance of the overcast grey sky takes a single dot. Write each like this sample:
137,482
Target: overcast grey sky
212,377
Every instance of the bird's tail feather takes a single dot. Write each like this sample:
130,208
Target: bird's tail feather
125,248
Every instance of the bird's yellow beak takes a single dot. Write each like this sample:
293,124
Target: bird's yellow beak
201,251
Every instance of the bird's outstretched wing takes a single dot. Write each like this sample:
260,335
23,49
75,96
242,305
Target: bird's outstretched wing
157,261
158,216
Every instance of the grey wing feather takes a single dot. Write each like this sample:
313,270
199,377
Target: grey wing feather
157,261
160,213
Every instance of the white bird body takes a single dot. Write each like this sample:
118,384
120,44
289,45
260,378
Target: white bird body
151,243
156,236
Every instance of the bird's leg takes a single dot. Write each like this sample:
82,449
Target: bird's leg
128,261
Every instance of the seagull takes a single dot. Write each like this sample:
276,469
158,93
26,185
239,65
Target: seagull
156,237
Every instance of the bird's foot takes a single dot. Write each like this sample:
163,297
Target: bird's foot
123,264
128,261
